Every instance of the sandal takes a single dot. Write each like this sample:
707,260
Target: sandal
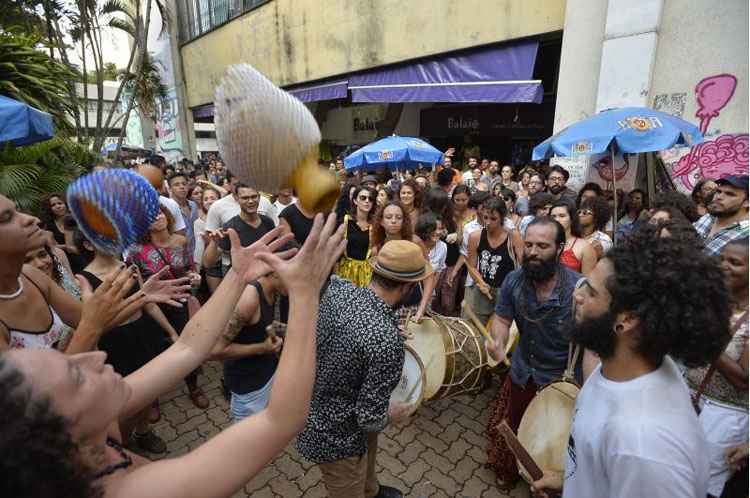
198,398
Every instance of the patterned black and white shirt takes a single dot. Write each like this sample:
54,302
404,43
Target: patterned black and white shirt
359,363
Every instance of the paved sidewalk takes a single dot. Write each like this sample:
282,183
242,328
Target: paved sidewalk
440,453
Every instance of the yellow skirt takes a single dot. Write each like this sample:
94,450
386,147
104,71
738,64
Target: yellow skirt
357,271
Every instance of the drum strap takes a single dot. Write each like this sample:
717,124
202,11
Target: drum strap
573,352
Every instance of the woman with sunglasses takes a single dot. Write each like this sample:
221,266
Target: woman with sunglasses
354,265
593,216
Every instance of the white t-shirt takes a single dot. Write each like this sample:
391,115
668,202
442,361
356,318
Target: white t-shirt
198,228
279,207
639,438
437,256
174,209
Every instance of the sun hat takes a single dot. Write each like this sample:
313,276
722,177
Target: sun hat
402,261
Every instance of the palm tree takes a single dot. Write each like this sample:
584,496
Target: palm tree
33,77
29,173
148,91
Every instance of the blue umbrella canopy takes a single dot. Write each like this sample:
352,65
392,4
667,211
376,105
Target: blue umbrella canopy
21,124
629,130
394,152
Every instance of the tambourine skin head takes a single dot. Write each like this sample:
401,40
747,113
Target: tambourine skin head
114,208
269,139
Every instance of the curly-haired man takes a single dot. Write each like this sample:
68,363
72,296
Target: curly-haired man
634,429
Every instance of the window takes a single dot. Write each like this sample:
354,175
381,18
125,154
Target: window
197,17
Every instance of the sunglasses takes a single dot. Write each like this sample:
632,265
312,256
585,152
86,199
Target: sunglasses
364,198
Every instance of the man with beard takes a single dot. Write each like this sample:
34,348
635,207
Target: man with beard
726,219
635,433
557,181
539,297
360,361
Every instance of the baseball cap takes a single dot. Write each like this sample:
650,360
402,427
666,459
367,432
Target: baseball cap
737,181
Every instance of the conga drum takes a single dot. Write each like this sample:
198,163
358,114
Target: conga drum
545,427
411,387
453,355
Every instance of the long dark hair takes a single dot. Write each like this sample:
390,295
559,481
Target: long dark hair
418,194
575,224
46,206
373,201
437,201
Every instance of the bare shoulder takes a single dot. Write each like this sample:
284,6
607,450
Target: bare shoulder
36,276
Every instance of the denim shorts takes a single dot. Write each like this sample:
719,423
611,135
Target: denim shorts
245,405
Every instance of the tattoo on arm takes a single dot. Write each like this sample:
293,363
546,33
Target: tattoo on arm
234,325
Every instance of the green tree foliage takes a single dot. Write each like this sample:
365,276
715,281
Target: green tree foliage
29,173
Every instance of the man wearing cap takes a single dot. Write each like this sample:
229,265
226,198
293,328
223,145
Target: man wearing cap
726,219
360,361
370,181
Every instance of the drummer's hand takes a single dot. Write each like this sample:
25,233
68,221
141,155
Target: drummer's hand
398,411
485,289
549,485
496,349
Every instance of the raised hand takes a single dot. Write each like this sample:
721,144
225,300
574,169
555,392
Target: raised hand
158,290
109,306
310,268
246,261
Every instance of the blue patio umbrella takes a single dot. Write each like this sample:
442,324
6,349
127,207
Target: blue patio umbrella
394,152
21,124
629,130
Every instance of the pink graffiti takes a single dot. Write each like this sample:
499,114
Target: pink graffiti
726,155
713,94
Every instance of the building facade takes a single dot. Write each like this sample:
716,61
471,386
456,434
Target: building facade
493,77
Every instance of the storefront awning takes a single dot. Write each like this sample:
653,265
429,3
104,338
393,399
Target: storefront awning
497,74
320,91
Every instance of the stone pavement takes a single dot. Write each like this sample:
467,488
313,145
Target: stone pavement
439,453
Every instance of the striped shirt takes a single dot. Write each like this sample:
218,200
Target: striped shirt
714,244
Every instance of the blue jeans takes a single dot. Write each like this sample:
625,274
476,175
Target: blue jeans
245,405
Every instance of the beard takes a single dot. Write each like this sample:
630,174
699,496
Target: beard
557,189
539,270
722,212
596,334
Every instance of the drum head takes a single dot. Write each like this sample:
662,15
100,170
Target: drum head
429,344
545,426
410,388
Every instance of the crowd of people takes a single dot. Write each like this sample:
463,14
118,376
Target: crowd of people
654,294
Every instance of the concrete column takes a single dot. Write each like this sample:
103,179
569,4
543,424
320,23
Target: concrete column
185,115
628,53
580,61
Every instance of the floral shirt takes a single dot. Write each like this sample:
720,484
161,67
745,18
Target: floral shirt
359,363
150,259
719,388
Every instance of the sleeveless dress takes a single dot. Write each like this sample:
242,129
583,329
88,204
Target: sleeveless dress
493,263
354,264
569,259
131,345
55,335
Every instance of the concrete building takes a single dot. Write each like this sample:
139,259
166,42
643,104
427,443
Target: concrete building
90,107
372,68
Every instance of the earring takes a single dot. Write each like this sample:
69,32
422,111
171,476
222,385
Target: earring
619,328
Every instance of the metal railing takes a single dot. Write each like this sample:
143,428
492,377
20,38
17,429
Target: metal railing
197,17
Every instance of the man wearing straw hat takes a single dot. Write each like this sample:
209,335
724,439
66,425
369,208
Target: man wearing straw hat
360,361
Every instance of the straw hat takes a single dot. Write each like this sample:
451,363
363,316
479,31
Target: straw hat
402,261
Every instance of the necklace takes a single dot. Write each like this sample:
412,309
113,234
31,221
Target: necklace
15,294
111,469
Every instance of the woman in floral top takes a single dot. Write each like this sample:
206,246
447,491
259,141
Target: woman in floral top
724,398
159,248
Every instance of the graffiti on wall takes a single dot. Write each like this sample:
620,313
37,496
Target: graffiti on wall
671,103
167,134
718,156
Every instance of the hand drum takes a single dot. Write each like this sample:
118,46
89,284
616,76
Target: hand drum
269,139
114,208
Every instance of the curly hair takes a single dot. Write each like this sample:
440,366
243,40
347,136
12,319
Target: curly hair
600,208
378,232
678,201
41,459
590,187
426,225
676,291
45,206
418,194
146,239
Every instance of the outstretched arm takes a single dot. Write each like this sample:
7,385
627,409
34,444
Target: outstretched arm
204,329
225,463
